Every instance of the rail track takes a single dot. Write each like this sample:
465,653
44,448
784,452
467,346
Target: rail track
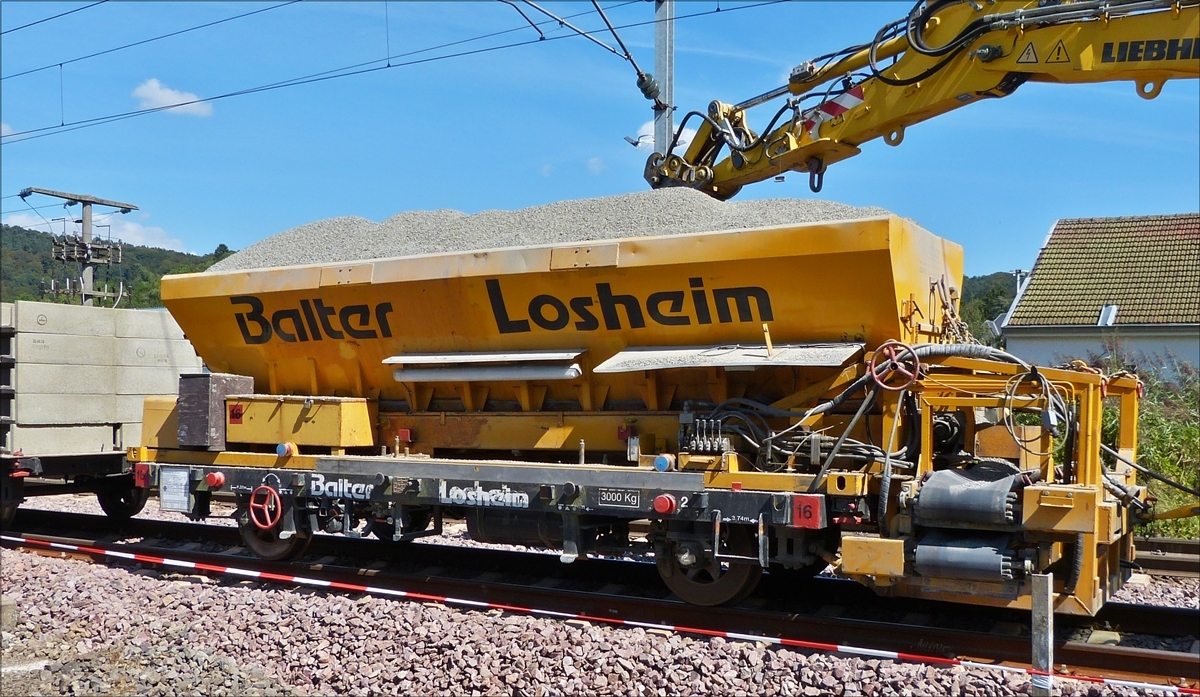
1169,557
816,612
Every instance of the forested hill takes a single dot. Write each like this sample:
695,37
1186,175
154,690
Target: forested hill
984,298
26,261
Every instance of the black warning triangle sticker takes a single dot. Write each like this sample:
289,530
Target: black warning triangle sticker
1029,55
1059,54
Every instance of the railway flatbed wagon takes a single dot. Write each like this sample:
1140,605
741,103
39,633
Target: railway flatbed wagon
776,399
72,382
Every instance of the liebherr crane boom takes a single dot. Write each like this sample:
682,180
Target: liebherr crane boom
943,55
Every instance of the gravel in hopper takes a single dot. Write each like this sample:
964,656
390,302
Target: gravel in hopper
670,211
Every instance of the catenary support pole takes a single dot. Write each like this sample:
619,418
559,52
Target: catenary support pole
88,270
1043,635
91,254
664,72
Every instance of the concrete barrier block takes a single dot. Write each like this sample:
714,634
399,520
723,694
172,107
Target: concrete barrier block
137,380
61,409
49,378
48,318
6,314
131,435
62,440
146,324
164,353
65,349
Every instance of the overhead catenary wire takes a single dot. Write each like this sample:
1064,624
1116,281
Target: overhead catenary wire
26,201
387,31
515,6
47,19
646,83
37,208
152,39
345,71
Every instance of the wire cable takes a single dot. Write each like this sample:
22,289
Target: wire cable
866,404
146,41
1149,472
26,201
20,210
345,71
64,14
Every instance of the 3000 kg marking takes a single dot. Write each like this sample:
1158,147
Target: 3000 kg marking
621,498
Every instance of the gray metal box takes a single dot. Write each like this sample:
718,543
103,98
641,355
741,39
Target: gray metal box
202,407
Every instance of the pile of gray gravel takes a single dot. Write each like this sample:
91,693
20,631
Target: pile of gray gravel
661,212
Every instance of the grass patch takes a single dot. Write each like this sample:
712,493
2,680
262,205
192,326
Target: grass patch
1168,435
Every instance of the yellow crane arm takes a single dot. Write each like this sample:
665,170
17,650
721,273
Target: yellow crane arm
1190,510
944,55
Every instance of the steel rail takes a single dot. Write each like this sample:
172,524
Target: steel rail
473,576
1168,545
1168,557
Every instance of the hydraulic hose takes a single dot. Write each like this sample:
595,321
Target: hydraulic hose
731,405
862,409
1149,472
967,351
885,484
1076,563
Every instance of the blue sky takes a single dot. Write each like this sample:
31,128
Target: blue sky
524,125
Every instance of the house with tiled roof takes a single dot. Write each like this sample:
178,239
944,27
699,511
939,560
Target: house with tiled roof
1134,281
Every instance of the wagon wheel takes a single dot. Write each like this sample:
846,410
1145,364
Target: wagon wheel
707,581
418,521
259,526
122,503
266,544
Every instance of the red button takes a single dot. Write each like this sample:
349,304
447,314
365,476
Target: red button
664,504
215,480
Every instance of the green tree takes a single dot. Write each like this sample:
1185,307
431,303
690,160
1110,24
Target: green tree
27,265
984,298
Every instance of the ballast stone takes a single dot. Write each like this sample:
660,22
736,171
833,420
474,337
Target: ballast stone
671,211
9,614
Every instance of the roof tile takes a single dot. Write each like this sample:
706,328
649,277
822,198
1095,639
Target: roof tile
1148,266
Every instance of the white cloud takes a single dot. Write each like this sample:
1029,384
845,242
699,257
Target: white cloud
595,165
5,129
154,94
547,170
646,137
121,228
31,221
145,235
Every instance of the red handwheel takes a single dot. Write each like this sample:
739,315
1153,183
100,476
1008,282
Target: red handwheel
265,507
894,358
